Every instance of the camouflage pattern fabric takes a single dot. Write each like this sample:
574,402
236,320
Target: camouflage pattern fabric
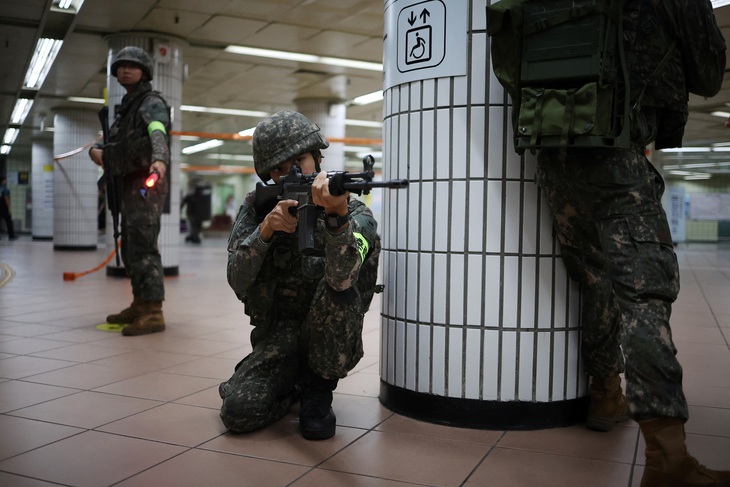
614,235
307,312
607,212
141,213
130,153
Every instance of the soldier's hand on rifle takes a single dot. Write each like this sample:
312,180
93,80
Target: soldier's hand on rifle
97,156
321,196
279,219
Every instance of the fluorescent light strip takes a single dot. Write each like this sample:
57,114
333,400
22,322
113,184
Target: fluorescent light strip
10,135
43,57
22,107
5,149
230,157
303,58
224,111
697,177
369,98
720,3
211,144
364,123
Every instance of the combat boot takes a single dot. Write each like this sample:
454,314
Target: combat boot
668,464
317,420
608,404
149,320
127,315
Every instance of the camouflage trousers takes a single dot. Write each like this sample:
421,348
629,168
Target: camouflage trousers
141,213
328,341
615,241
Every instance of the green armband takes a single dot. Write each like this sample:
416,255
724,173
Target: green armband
362,246
156,126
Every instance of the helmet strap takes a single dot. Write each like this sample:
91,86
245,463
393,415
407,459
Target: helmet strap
317,155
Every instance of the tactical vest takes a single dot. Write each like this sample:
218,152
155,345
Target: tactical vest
129,148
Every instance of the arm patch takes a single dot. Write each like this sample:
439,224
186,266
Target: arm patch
362,246
156,126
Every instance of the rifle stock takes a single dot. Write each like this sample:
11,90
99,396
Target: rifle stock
297,186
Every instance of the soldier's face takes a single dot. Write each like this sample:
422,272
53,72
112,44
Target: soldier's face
304,161
129,74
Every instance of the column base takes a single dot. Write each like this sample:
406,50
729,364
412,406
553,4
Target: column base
489,415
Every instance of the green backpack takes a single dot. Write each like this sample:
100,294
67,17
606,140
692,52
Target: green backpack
562,63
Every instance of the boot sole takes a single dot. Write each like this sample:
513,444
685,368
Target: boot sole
318,434
128,331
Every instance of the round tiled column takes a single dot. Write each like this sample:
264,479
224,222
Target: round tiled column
167,54
42,190
75,192
329,115
479,318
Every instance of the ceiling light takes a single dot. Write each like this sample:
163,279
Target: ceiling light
43,57
369,98
247,132
720,3
231,157
303,58
211,144
695,177
224,111
22,107
721,114
10,135
5,149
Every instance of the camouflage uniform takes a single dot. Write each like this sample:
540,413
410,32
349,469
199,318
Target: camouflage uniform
614,235
131,150
305,312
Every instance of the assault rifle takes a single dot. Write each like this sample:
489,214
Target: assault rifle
113,190
297,186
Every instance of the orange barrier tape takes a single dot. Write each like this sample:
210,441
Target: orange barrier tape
71,276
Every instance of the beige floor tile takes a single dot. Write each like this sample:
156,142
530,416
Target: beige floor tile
360,384
81,352
18,394
408,458
177,424
21,435
90,459
359,411
208,398
401,424
19,366
321,478
702,420
198,468
282,442
86,409
617,446
159,386
142,361
84,376
26,346
517,468
209,367
17,481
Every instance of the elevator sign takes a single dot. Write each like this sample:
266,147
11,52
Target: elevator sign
423,40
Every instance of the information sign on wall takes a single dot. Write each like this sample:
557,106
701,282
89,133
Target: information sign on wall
424,40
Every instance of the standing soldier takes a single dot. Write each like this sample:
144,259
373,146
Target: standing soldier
606,205
307,310
138,147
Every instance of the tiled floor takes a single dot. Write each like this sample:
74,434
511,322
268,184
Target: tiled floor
84,407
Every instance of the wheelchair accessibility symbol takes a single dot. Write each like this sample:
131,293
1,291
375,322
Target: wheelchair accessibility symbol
421,35
418,45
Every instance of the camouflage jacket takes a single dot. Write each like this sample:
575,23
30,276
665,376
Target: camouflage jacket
276,274
685,32
140,132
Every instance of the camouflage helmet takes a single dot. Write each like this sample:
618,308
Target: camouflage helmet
282,137
137,55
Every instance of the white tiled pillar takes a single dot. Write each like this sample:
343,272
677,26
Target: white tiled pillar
329,115
479,318
75,193
42,188
167,54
